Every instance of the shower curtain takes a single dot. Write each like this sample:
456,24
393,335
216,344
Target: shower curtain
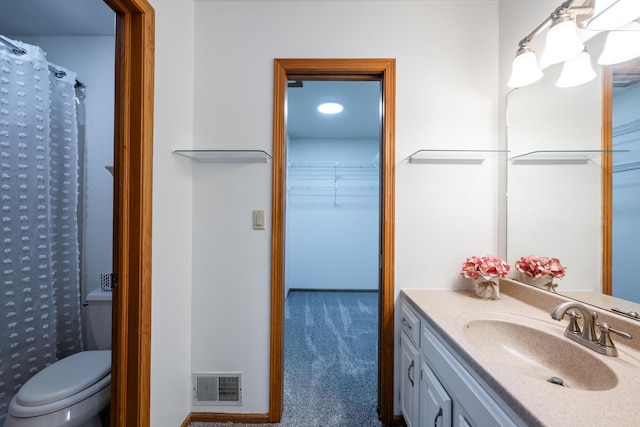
39,275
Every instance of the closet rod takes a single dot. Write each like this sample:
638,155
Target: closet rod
17,50
627,167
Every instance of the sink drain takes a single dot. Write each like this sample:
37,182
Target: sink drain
556,380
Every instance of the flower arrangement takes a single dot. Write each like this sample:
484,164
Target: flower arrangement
488,267
539,266
485,271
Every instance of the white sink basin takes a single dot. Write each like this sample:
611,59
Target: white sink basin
540,354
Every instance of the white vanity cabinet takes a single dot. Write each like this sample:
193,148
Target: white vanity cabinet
435,403
410,366
447,392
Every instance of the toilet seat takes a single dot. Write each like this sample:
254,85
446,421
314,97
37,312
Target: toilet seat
62,384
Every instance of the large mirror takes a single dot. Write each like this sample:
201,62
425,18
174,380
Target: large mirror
574,180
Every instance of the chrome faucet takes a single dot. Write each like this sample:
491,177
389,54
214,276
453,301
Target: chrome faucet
587,337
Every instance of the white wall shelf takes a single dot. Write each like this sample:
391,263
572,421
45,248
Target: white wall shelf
225,156
453,156
563,157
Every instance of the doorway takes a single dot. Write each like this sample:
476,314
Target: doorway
133,140
332,223
334,69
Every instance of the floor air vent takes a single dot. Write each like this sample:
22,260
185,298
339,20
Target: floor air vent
217,389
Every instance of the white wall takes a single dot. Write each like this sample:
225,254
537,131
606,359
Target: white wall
92,59
172,207
447,86
332,214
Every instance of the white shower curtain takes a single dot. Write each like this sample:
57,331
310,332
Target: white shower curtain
39,275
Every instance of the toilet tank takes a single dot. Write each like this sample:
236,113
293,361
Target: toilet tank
98,312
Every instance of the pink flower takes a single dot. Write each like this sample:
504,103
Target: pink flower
486,266
535,266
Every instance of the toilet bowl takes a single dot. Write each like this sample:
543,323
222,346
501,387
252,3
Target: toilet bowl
72,391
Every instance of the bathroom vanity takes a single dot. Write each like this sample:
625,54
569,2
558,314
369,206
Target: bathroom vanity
471,362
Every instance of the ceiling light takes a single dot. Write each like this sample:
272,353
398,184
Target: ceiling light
576,71
562,40
525,68
621,45
610,15
330,108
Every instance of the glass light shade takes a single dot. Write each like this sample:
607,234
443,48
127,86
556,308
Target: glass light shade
576,71
525,70
614,14
562,43
621,45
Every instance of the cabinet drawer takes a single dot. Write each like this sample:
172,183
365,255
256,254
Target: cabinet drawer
410,324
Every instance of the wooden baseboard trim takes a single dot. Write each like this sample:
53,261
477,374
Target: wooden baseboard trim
218,417
398,420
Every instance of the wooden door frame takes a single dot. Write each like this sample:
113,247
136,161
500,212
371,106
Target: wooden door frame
354,69
606,192
607,168
133,160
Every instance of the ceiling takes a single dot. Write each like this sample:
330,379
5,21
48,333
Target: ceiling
67,18
86,18
359,119
56,18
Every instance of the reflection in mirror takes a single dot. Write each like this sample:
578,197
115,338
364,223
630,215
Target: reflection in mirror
559,204
625,135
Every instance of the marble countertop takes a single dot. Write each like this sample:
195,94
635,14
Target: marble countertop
536,401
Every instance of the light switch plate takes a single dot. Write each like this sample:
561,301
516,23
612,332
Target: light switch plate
258,220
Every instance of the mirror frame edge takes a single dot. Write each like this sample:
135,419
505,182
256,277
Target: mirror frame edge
607,178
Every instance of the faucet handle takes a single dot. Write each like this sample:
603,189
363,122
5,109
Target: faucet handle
605,338
573,326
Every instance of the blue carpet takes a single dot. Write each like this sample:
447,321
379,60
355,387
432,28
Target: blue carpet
331,353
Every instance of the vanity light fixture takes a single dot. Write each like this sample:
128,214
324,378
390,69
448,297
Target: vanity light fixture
563,43
330,108
576,71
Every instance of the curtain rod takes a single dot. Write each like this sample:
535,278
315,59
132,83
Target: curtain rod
21,51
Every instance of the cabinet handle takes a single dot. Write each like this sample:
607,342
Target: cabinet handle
438,415
409,372
405,323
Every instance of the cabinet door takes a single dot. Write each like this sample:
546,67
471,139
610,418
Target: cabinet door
435,403
461,421
409,387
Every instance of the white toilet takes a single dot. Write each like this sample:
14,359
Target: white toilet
74,390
